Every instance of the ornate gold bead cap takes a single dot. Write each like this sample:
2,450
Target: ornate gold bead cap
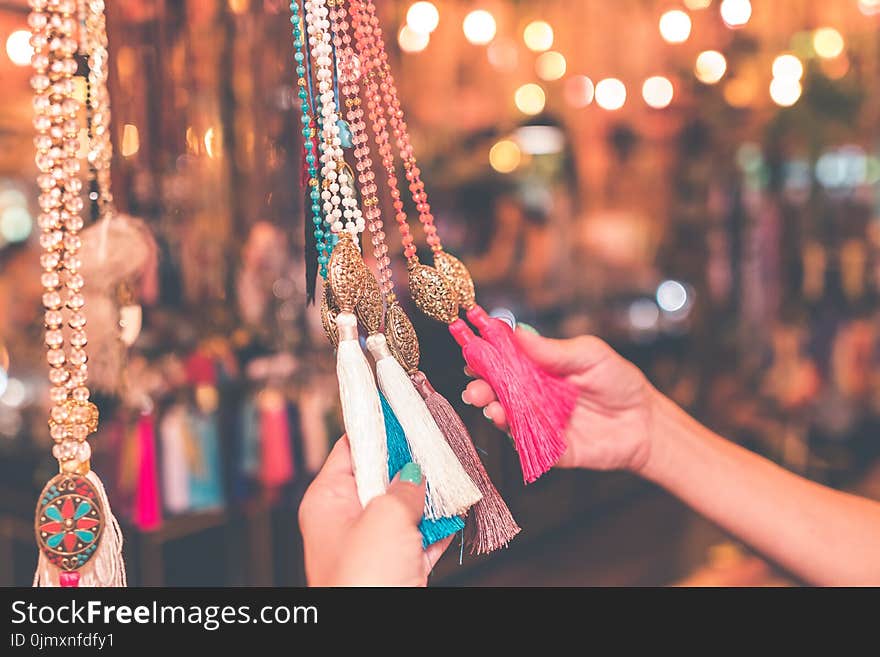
370,307
458,276
432,294
402,338
347,273
328,316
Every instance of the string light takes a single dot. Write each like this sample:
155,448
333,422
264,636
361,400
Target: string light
479,27
18,47
785,91
505,156
710,66
610,94
503,55
538,36
736,13
550,65
788,67
412,41
827,42
530,98
423,17
579,90
675,26
657,92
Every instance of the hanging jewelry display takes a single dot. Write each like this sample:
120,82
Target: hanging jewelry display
537,405
492,525
353,289
78,536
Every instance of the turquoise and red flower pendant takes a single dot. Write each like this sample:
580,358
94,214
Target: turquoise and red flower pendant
69,521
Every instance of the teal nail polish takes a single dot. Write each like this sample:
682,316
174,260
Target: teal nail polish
528,327
412,473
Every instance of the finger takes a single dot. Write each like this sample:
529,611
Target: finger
478,393
434,551
495,412
469,372
339,459
408,489
564,356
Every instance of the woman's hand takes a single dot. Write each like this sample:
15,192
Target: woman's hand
610,426
380,545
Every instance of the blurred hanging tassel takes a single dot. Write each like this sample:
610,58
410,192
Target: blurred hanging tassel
175,468
535,434
398,456
276,459
147,514
450,491
361,411
493,526
102,565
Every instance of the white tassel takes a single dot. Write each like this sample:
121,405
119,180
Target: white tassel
361,411
106,567
450,491
175,467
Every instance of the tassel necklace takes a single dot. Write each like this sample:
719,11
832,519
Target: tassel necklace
79,539
493,525
432,530
353,288
537,405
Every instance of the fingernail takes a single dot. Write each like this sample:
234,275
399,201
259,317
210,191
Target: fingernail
486,413
528,328
411,473
464,397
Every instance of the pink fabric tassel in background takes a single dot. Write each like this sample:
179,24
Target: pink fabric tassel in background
276,456
147,514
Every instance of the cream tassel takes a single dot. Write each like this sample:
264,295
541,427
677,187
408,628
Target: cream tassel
361,411
106,568
450,491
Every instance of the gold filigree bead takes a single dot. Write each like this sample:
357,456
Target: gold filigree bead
347,273
432,293
370,308
459,278
328,316
402,338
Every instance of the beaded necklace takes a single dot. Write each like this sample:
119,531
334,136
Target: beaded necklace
537,404
78,536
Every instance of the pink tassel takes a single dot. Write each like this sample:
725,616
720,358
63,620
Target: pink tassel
535,433
493,526
276,460
146,511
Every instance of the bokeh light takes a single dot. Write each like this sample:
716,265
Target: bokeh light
827,42
423,17
788,67
131,142
697,4
579,90
736,13
503,55
479,27
675,26
550,65
412,41
505,156
741,91
657,92
18,47
672,296
710,66
530,98
869,7
15,223
538,36
610,94
785,91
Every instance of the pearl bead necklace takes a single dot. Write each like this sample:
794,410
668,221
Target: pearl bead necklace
338,194
72,417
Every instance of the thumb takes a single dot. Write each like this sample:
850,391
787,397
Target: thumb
563,357
408,491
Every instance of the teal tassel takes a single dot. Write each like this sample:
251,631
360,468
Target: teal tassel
398,456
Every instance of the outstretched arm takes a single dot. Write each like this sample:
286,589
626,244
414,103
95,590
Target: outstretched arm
622,422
